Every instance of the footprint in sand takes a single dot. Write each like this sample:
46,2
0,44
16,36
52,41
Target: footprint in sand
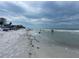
32,45
30,53
38,47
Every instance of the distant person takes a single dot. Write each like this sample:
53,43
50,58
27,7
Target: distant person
52,30
39,32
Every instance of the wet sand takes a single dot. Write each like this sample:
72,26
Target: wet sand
57,46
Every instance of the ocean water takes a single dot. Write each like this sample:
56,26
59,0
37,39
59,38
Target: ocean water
60,43
66,38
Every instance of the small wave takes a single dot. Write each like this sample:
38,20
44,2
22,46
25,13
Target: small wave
66,30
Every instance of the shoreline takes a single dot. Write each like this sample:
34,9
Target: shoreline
32,44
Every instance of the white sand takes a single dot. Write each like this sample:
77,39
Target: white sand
15,44
18,44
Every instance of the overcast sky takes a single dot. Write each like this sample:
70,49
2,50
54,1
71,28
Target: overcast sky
42,13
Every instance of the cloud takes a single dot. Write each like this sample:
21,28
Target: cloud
27,7
42,12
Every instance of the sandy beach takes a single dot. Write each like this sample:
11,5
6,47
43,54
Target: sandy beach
39,29
30,44
14,44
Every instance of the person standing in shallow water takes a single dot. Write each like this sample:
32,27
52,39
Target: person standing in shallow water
39,31
52,30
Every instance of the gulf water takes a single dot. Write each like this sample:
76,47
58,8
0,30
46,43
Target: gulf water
68,38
